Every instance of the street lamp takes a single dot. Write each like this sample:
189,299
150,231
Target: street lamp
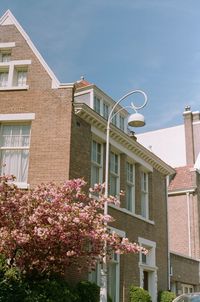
134,120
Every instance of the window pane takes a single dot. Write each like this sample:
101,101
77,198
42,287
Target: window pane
15,162
105,111
95,179
15,141
129,198
21,78
121,120
5,57
3,79
113,185
114,163
97,104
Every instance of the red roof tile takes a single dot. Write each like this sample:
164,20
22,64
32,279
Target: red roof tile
183,179
82,83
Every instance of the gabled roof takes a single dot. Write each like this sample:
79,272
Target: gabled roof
9,19
184,179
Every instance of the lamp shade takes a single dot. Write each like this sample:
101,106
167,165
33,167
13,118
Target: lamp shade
136,120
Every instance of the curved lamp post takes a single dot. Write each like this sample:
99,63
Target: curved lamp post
134,120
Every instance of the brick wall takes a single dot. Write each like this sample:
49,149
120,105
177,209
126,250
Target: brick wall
185,270
51,129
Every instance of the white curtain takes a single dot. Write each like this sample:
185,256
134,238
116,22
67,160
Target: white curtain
15,151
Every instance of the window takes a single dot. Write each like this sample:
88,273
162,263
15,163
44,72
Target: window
5,56
21,76
147,267
114,174
3,78
14,147
114,119
129,187
113,277
144,195
13,73
105,111
96,169
97,104
121,122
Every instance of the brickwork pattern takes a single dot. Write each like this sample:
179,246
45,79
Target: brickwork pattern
51,129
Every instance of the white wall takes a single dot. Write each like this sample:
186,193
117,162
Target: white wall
168,144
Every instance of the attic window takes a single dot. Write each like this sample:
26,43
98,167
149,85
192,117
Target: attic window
13,74
5,56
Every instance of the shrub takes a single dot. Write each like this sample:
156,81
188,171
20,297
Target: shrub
88,292
166,296
138,294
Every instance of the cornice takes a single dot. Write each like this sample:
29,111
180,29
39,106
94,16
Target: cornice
94,119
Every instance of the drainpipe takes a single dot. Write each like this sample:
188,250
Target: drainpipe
188,223
168,251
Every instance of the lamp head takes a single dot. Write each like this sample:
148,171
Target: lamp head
136,120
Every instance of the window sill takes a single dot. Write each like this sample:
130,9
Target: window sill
26,87
132,214
21,185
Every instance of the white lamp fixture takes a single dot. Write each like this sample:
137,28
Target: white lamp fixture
134,120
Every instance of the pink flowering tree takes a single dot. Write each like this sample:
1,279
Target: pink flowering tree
48,228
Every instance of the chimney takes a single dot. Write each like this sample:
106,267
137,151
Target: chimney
189,138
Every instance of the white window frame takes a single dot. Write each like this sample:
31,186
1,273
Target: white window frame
149,266
12,67
97,104
96,275
130,205
18,118
113,173
96,164
144,189
122,122
105,113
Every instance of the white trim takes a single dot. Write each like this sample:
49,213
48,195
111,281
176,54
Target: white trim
7,45
119,232
25,87
147,242
9,16
178,192
17,117
195,123
131,214
122,149
22,185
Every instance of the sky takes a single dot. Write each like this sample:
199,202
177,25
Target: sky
122,45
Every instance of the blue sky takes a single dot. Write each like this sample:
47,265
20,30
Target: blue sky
153,45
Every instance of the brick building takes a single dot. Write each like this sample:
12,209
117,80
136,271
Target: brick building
53,131
181,146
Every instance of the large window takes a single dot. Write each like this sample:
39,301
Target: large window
144,195
130,192
14,147
96,169
114,174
